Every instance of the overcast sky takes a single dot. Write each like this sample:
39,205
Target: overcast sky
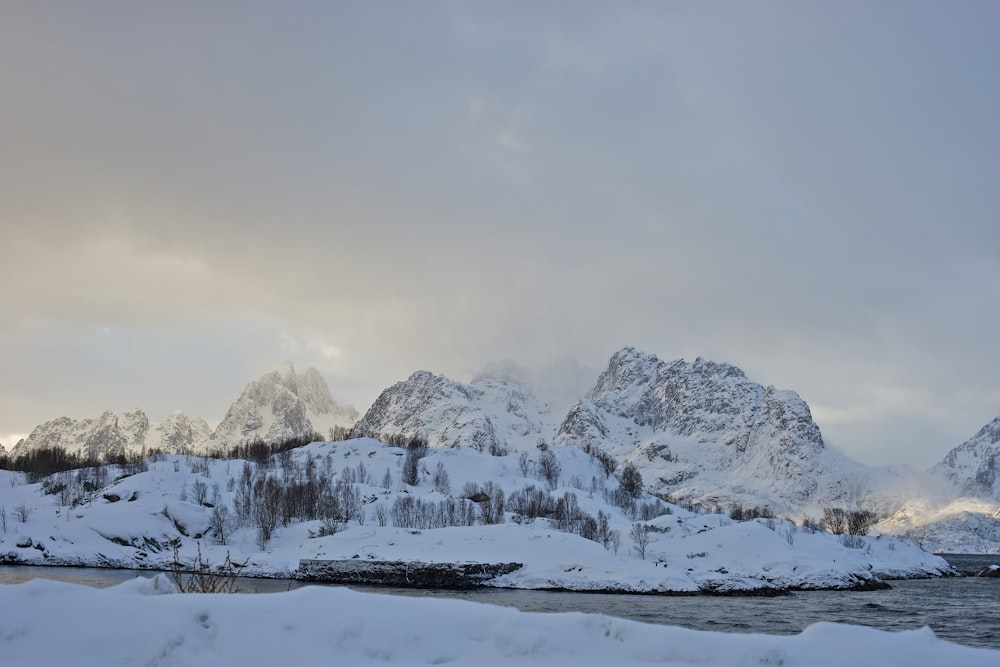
192,193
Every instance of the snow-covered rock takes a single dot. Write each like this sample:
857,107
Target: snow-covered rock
702,432
492,413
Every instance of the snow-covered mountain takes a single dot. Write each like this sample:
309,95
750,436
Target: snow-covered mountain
958,508
281,405
492,413
702,432
277,406
112,435
974,466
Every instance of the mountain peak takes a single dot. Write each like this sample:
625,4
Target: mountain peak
700,428
282,405
974,466
492,413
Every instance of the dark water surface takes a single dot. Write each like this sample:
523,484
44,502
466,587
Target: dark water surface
960,609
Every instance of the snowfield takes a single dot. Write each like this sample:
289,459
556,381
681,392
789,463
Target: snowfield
145,622
137,520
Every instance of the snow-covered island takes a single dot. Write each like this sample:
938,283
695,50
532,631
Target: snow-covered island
555,511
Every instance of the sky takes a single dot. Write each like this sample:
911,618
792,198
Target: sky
192,193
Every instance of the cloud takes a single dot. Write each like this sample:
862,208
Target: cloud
807,197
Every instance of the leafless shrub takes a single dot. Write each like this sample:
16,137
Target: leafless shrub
201,577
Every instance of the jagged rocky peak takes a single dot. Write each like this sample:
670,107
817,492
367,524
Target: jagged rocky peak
974,466
178,433
281,405
492,413
700,430
694,398
112,435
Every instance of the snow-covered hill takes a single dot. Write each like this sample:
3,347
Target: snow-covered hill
348,500
702,432
492,413
281,405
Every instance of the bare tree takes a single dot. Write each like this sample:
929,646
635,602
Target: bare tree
22,512
549,468
441,482
3,518
631,480
524,463
640,538
199,492
835,520
220,523
859,522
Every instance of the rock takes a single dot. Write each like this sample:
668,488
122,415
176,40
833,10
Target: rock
403,573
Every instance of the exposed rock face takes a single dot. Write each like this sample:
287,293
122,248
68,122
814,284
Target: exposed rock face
403,573
974,466
279,406
489,414
703,432
112,435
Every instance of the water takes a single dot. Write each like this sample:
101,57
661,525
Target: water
960,609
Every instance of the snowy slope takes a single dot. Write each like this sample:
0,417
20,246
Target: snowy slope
135,516
492,413
702,432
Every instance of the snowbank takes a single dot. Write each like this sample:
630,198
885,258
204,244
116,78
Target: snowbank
144,623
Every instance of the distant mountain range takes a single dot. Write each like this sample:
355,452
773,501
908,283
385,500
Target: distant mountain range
700,432
278,406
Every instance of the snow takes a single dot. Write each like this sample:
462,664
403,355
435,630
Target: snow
687,552
144,622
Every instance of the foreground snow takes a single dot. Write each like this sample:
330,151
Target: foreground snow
144,622
132,522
